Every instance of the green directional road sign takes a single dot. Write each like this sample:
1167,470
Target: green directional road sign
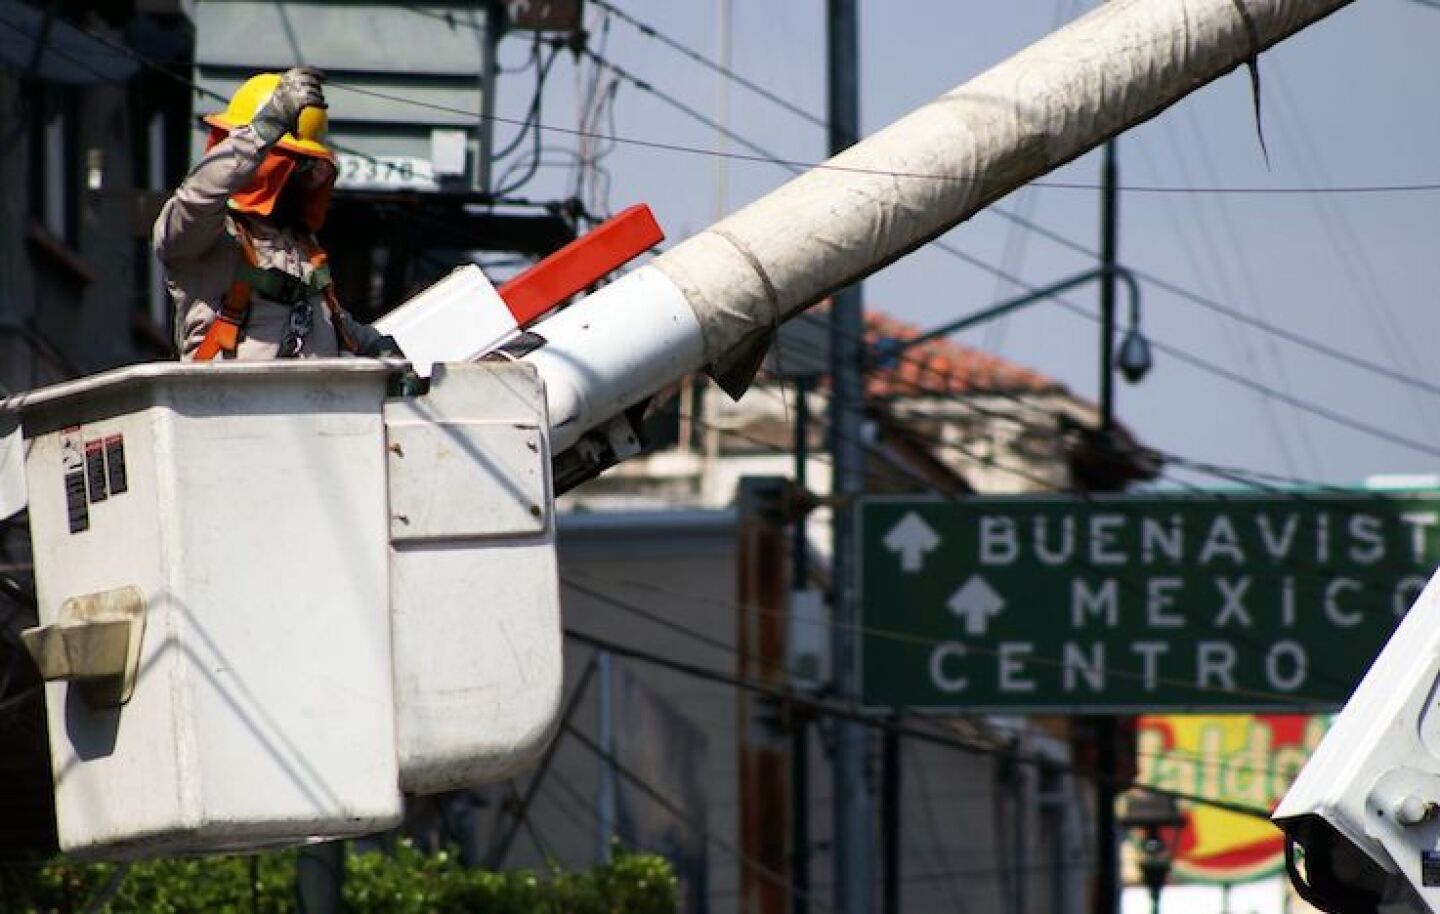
1215,602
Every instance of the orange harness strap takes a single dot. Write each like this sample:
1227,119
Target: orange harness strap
224,332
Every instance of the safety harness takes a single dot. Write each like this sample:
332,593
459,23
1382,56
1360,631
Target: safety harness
279,287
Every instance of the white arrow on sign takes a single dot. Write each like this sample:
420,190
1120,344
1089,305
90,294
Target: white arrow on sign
976,602
911,539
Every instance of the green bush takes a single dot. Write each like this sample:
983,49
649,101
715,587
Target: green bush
405,882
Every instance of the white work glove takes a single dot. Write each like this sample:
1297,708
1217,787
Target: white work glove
299,89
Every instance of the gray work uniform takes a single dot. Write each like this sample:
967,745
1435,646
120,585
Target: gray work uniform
196,244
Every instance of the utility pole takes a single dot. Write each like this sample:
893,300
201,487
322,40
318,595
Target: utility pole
489,38
605,788
800,719
851,806
1109,223
762,592
890,818
1107,889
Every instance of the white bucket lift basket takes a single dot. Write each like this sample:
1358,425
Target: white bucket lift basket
238,515
222,553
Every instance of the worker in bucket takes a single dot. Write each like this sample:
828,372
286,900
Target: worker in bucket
247,276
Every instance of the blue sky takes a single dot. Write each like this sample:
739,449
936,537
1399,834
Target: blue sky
1349,102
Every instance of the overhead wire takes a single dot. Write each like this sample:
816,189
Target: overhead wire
1290,701
848,711
1410,187
684,817
1181,355
1235,332
650,31
1209,367
923,366
719,68
1240,257
1351,252
1263,390
1305,342
1196,362
1248,477
1045,484
1287,570
1259,323
532,119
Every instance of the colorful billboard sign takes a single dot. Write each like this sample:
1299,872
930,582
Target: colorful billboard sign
1240,759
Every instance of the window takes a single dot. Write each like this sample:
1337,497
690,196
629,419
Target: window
54,189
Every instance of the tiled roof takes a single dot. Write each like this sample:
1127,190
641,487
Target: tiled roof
943,366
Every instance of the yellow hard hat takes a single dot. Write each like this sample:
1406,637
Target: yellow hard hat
253,94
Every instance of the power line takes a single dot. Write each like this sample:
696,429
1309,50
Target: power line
651,32
1284,700
716,643
623,605
1185,357
807,165
1351,251
1181,355
1209,367
831,708
1290,336
1250,478
1239,259
1235,474
674,808
1287,570
1235,314
761,155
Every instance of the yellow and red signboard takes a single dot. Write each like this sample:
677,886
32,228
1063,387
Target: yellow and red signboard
1242,759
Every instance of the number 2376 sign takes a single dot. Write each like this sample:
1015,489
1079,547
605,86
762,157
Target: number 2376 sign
384,173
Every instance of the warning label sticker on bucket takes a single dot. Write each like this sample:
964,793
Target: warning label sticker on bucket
115,464
72,465
94,471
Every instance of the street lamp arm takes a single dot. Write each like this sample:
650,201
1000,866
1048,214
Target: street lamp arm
893,347
1133,288
889,349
